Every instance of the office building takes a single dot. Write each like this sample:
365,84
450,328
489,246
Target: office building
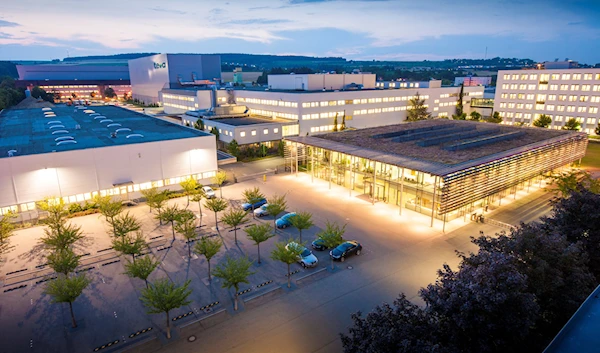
470,81
446,169
106,150
562,94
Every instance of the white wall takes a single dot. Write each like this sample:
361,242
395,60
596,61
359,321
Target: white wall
146,80
314,82
31,178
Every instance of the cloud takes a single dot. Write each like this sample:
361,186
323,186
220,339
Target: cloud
162,10
257,21
8,24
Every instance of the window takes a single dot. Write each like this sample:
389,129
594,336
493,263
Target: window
593,110
523,76
506,77
552,97
585,88
583,98
530,96
574,87
531,87
553,87
243,134
544,77
276,130
577,76
555,76
587,77
566,76
515,77
253,133
266,131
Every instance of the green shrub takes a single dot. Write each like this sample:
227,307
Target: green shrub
75,207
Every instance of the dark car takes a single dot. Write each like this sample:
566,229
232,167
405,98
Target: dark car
248,206
318,244
345,249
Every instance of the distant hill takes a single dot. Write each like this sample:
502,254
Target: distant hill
8,68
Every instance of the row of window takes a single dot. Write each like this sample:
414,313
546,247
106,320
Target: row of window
555,118
69,86
550,97
122,190
179,106
179,98
547,77
274,114
398,84
322,115
279,103
324,128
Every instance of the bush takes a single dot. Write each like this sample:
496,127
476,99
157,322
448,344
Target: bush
75,207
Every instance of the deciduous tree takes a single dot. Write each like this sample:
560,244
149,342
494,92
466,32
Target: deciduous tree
186,226
275,205
130,244
219,179
162,296
169,214
216,205
288,254
258,234
233,272
189,187
142,268
233,218
208,247
252,196
332,236
417,109
572,124
63,261
301,221
543,121
66,290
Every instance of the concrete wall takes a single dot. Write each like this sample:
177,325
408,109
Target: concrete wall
73,72
148,76
31,178
205,67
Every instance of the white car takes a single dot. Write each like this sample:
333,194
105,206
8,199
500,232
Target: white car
261,211
209,192
306,257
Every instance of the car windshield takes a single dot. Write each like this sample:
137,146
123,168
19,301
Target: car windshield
306,252
263,207
345,246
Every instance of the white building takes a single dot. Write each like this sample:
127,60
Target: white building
73,154
469,81
523,95
150,74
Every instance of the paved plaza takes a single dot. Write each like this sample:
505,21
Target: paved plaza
401,254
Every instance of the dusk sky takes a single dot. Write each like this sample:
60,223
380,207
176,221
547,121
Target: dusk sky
354,29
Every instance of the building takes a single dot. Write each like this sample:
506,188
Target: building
566,64
82,79
446,169
151,74
523,95
355,102
470,81
106,150
404,84
202,97
580,333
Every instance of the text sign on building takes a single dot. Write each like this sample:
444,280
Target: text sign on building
160,65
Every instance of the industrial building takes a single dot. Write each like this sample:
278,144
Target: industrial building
562,94
82,79
106,150
445,169
470,81
151,74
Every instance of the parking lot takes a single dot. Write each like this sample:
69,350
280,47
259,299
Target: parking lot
399,254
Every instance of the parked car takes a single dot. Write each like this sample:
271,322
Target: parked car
129,203
261,211
306,258
318,244
284,221
345,249
248,206
209,192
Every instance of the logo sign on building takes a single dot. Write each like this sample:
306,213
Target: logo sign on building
160,65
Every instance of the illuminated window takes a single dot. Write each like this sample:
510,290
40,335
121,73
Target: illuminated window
242,134
266,131
253,132
275,130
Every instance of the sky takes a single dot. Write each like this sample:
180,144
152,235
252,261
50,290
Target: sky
542,30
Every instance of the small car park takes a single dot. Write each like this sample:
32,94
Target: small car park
248,206
345,249
284,221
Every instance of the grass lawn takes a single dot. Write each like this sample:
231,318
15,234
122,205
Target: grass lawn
592,156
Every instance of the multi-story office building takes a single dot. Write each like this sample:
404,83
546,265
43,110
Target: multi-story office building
473,81
562,94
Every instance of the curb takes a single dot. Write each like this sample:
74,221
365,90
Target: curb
203,318
310,274
261,294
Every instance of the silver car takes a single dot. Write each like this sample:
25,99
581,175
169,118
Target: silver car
209,192
306,257
261,211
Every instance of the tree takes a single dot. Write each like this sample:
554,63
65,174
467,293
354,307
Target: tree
252,196
275,206
56,208
130,244
163,296
219,179
62,237
197,197
288,254
109,92
124,224
142,268
199,125
402,327
40,93
459,101
335,123
574,181
234,148
281,148
234,272
109,209
462,116
332,236
169,214
343,127
597,129
155,199
189,186
208,248
66,290
7,228
233,218
302,221
495,118
475,116
572,124
215,132
258,234
216,205
93,95
63,261
185,225
417,109
543,121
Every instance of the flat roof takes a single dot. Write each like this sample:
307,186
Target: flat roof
440,146
250,120
28,131
580,334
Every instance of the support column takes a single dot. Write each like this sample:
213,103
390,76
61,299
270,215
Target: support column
374,182
329,171
312,165
401,190
350,186
296,159
435,181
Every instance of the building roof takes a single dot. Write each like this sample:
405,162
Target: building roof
28,131
580,334
440,146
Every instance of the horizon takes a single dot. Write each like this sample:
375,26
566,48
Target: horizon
365,30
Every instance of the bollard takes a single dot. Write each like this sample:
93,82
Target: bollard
265,178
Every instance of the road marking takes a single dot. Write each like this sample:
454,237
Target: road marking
115,314
31,301
103,280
